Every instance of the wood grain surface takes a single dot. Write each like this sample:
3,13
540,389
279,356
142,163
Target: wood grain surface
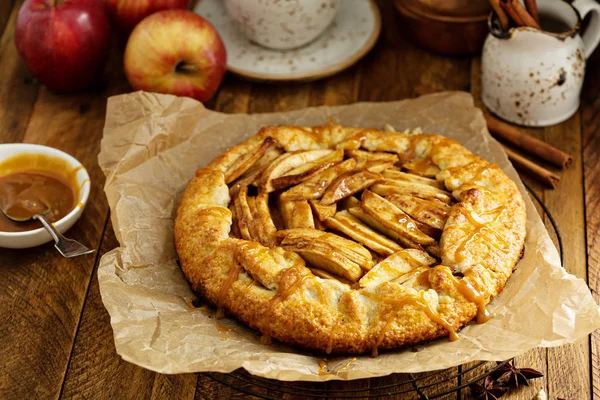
57,341
590,126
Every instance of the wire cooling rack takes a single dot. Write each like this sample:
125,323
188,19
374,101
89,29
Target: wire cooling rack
424,386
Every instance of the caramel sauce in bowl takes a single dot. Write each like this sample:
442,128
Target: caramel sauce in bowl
33,177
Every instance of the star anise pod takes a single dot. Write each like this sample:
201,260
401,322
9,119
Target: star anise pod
510,376
489,391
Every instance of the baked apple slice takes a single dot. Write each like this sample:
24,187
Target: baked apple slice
235,229
245,161
347,185
359,213
314,187
377,166
303,172
251,176
321,211
353,227
262,263
351,250
348,202
296,214
321,273
430,213
403,176
262,214
395,266
243,214
393,186
252,219
361,155
328,251
390,216
287,162
422,167
415,278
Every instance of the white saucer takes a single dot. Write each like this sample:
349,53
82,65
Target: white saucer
352,34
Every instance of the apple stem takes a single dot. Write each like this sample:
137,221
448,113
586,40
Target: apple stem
186,68
54,3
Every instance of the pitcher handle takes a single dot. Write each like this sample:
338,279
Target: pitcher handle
591,38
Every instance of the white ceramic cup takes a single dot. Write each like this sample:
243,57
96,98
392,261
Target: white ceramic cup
532,77
282,24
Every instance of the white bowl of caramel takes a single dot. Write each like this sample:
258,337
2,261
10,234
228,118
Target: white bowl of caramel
46,176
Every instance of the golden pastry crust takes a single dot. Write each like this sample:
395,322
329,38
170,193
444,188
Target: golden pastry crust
433,238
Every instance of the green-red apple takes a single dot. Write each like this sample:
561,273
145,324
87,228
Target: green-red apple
176,52
127,13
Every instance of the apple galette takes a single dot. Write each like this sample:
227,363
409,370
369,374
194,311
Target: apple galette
350,240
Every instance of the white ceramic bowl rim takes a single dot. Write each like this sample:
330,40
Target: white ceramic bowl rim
84,189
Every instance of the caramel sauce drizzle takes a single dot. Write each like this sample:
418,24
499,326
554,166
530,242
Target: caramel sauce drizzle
320,291
323,367
323,300
405,221
414,300
471,294
473,180
480,172
409,154
337,324
421,210
437,318
223,329
416,272
290,280
349,363
232,276
479,228
421,167
407,258
423,278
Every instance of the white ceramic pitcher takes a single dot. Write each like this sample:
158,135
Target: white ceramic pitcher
532,77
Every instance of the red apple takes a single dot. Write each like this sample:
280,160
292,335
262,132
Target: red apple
127,13
176,52
64,43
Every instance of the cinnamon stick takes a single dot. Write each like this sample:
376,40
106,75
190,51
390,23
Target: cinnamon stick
540,173
528,143
527,19
507,6
502,17
532,8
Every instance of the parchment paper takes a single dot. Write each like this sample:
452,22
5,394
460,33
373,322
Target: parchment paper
151,148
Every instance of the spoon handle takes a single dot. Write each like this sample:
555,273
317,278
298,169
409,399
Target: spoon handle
67,247
50,228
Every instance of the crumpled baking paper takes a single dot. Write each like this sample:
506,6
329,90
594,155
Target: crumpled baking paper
152,146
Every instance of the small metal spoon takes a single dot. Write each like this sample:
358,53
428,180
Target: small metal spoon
66,247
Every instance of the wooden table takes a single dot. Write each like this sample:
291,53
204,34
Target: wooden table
55,335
